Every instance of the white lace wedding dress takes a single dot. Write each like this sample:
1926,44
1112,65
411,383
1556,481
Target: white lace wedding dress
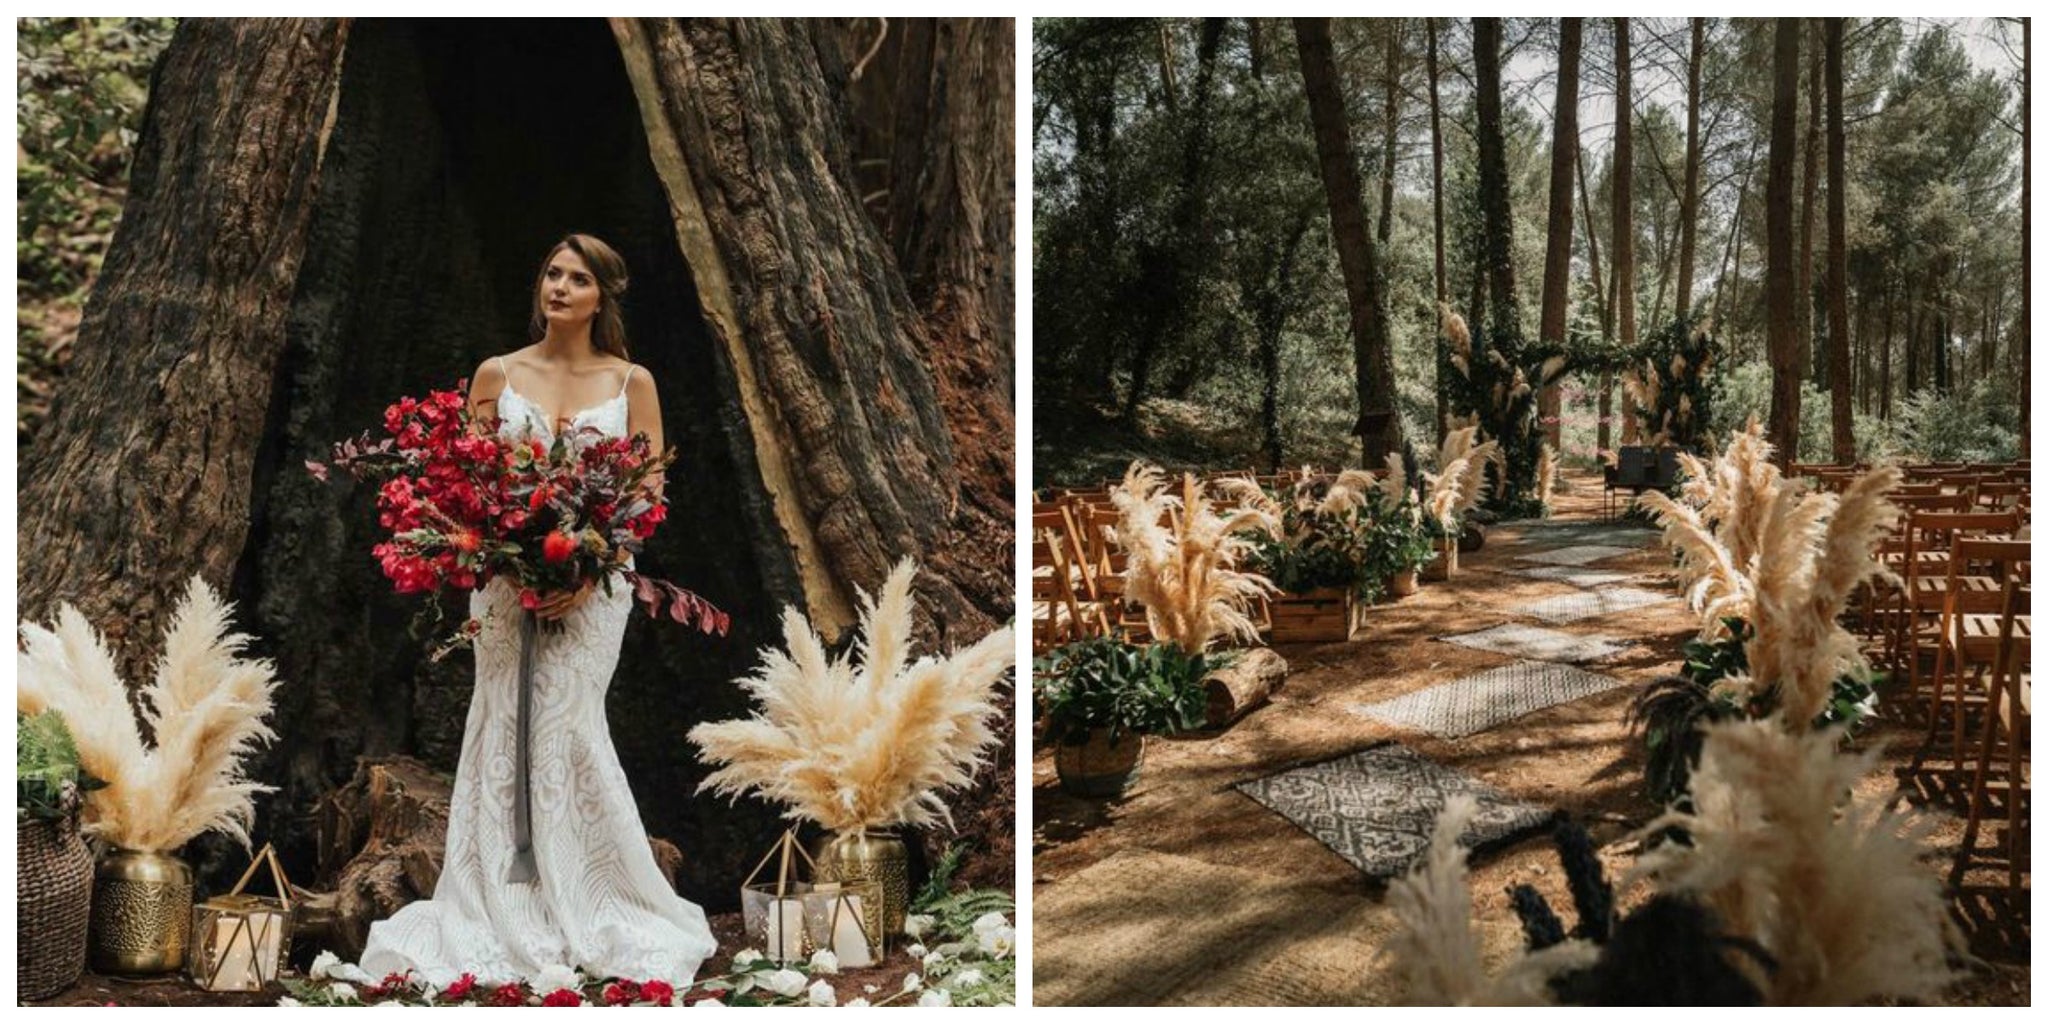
600,904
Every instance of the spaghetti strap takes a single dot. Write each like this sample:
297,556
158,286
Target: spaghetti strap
623,383
505,373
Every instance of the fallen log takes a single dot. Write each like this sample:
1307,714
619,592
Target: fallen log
1243,685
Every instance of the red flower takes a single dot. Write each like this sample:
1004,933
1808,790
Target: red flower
461,988
541,496
562,997
558,546
508,995
528,599
465,541
658,992
621,992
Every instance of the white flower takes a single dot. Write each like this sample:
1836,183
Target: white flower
935,997
343,992
856,1001
968,978
916,951
745,958
321,965
350,973
989,922
999,942
784,982
824,961
288,1001
933,959
911,982
917,924
871,989
702,1002
822,994
557,976
429,993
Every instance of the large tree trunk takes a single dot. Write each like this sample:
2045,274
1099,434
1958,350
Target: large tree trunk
1498,225
1838,256
1557,252
1689,200
2025,345
1436,196
1780,272
1621,291
1391,135
1809,360
1605,428
142,476
1378,427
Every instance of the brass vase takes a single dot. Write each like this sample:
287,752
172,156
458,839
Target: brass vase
877,858
141,913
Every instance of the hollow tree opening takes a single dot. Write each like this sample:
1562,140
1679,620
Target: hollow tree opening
459,152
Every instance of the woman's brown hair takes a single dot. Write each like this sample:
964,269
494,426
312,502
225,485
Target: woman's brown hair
608,326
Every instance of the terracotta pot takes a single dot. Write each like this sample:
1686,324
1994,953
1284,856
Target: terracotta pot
1403,584
1098,767
141,913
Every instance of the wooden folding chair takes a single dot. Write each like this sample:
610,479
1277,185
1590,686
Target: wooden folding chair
2003,767
1924,570
1967,642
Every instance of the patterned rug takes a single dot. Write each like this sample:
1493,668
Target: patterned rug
1578,554
1586,605
1574,575
1376,807
1536,643
1477,703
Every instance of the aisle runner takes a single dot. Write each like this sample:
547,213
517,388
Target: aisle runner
1575,555
1536,643
1574,575
1376,807
1573,607
1477,703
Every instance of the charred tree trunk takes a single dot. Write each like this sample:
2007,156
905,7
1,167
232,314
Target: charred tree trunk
1780,271
1689,199
1557,252
1378,427
1498,230
1838,256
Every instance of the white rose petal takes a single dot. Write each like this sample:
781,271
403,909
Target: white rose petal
917,924
968,978
933,959
784,982
704,1002
911,982
822,995
288,1001
871,989
745,958
321,964
343,992
856,1001
824,961
999,942
554,977
916,950
990,921
350,973
935,997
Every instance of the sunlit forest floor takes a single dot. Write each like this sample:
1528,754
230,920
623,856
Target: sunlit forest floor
1188,892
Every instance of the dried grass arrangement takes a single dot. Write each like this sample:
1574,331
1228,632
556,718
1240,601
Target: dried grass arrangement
205,707
1183,558
1459,483
861,744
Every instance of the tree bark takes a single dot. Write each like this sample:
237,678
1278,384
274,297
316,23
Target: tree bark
1838,256
1378,427
1780,270
1623,292
1809,360
1247,683
1436,196
1557,253
1498,226
2026,346
1605,428
1689,200
1392,134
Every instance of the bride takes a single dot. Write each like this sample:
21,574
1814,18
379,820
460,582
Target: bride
571,880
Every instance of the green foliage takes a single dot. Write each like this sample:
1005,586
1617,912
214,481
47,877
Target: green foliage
1670,711
954,913
1106,683
940,881
1315,549
47,776
1398,541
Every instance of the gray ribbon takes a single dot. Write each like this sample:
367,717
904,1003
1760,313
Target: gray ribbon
523,868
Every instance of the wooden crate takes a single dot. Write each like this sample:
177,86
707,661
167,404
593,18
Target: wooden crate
1329,615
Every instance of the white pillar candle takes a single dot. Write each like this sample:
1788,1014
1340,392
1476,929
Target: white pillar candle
786,930
849,941
232,956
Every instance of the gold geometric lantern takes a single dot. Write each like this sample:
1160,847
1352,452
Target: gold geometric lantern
239,940
792,918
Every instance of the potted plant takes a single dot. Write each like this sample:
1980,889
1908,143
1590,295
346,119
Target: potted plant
864,750
205,709
1402,541
1099,698
1453,491
53,887
1313,547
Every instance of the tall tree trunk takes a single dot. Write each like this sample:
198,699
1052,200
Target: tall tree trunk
1621,294
1689,200
1780,270
1809,358
1498,230
1392,134
1604,429
1884,357
1557,253
1838,255
1270,305
2026,338
1436,197
1378,427
141,477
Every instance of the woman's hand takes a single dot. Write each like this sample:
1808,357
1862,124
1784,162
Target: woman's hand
559,604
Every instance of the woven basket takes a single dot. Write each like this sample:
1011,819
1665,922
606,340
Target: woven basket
53,894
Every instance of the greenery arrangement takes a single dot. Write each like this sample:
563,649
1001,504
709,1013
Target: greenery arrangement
1671,386
1493,384
1323,527
48,778
1106,683
1184,558
1400,539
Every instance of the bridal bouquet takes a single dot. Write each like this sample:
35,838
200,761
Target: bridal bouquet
464,506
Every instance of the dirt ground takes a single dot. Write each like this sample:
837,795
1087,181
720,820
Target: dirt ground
1144,900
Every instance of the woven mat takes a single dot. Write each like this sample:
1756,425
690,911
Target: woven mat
1590,603
1145,928
1480,702
1536,643
1573,575
1376,807
1578,554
